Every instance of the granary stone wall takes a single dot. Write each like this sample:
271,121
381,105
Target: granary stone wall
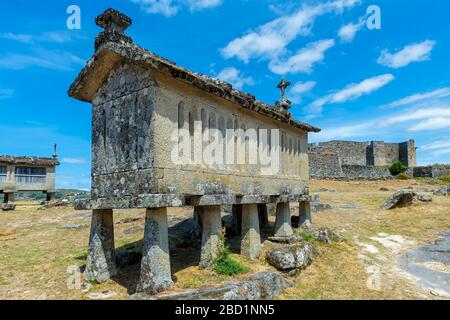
135,115
364,160
145,111
26,174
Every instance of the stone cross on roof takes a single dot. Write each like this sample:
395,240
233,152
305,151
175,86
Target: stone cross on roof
114,20
114,23
284,103
283,85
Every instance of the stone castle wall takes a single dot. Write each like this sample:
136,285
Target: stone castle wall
325,165
358,160
435,171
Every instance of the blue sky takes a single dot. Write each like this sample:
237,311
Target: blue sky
359,84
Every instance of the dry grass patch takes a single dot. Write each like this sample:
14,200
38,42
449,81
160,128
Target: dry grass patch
36,250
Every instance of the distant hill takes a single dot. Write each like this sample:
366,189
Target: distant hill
69,194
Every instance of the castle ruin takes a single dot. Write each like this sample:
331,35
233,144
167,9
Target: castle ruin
358,160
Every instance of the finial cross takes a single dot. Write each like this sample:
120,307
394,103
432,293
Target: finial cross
283,85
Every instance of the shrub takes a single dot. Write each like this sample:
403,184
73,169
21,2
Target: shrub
306,236
397,167
226,265
403,176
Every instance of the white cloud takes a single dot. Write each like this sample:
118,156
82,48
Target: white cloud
411,53
235,77
164,7
202,4
343,132
417,114
74,160
54,60
53,37
430,119
437,148
302,87
6,93
348,32
352,91
439,144
23,38
303,60
419,97
270,40
170,8
432,123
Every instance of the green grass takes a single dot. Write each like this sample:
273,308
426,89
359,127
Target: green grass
306,236
403,176
226,265
445,179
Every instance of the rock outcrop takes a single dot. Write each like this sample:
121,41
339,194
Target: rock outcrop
292,258
444,191
261,286
399,199
424,197
8,206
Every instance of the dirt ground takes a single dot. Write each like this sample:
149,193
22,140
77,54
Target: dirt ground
40,254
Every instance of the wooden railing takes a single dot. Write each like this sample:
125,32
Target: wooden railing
27,179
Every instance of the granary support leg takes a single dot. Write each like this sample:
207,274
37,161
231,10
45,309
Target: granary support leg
304,213
236,225
197,232
251,239
9,197
155,266
263,215
101,259
51,196
283,226
212,237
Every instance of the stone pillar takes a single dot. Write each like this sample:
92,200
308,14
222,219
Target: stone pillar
51,196
197,232
212,237
283,226
155,266
101,258
263,215
236,227
305,217
8,197
251,239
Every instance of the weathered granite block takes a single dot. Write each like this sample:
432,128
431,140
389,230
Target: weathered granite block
251,241
155,266
304,213
101,259
283,221
212,237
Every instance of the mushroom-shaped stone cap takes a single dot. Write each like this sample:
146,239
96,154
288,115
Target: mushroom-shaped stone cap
113,19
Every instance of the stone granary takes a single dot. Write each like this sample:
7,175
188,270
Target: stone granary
142,104
26,174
